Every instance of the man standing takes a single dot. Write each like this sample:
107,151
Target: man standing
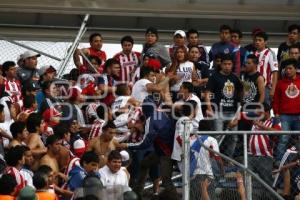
268,65
239,52
179,40
193,40
129,60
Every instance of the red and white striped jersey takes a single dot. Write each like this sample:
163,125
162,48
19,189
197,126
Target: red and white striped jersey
259,145
128,64
96,128
21,183
267,64
13,89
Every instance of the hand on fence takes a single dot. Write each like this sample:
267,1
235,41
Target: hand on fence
240,185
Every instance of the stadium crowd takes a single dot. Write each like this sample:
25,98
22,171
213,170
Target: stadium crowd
118,122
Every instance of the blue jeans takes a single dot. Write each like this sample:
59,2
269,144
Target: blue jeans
288,123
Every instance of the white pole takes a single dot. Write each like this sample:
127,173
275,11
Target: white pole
186,161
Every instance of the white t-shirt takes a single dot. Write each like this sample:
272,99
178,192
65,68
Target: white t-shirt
199,114
119,102
139,90
184,71
110,179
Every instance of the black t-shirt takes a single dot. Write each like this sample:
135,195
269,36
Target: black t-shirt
202,70
250,86
283,51
226,91
295,174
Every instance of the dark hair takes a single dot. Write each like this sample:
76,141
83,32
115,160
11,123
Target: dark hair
28,101
293,27
219,56
121,89
17,128
74,74
253,58
34,120
1,108
191,31
110,62
97,59
109,124
40,180
152,30
100,110
227,57
13,155
45,85
295,46
51,139
146,71
290,61
89,157
127,38
205,125
114,155
6,65
45,169
61,129
25,148
224,27
189,86
263,35
7,184
237,32
188,107
93,35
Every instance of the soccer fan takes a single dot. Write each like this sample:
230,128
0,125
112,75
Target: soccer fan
41,183
193,40
26,171
96,42
239,52
251,47
49,97
223,93
8,187
293,39
267,65
12,86
100,120
28,69
285,104
112,174
128,59
224,45
179,40
19,133
106,82
183,69
152,46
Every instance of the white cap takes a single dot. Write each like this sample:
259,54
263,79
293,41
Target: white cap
180,32
28,54
125,156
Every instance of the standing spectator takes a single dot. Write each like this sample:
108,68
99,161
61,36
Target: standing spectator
286,105
239,52
253,88
152,46
251,47
96,42
12,85
179,39
49,96
26,171
294,52
28,68
224,45
224,92
112,174
293,39
128,59
268,65
193,40
106,82
19,133
8,187
41,183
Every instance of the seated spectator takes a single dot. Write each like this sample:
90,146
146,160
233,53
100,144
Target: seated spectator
8,187
112,174
19,133
89,163
40,182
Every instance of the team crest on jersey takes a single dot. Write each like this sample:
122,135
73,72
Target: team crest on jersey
250,91
292,91
228,89
226,51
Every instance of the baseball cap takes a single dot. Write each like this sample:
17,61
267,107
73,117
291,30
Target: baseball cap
46,69
29,54
27,193
50,112
180,32
154,64
152,30
79,147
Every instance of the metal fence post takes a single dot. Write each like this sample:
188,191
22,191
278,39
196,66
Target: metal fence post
186,161
248,182
74,46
